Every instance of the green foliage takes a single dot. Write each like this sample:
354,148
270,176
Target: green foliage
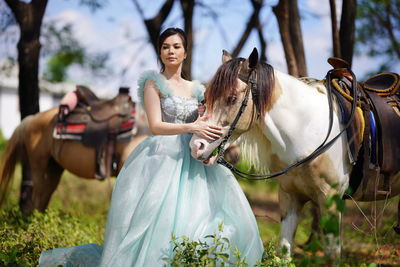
65,50
329,222
23,238
78,210
58,64
270,258
217,252
3,142
378,24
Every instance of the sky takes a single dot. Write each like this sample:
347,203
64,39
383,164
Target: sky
119,29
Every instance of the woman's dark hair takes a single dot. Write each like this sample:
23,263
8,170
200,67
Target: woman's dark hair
164,35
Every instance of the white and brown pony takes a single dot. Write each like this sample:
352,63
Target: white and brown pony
282,124
47,158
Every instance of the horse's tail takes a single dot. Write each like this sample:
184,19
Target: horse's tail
11,156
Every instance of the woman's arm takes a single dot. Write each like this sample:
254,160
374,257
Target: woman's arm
157,127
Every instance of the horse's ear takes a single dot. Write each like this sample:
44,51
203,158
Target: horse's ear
253,58
225,56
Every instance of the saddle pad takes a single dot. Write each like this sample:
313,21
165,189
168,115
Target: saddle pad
75,131
386,83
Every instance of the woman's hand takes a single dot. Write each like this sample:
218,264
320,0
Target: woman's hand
205,130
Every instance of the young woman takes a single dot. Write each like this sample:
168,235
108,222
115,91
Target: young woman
161,190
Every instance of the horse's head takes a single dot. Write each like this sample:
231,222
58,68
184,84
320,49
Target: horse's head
235,97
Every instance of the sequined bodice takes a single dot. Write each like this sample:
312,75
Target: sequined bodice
176,109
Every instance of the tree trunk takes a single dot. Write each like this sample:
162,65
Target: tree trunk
29,17
296,37
154,24
335,31
347,29
281,11
187,10
263,43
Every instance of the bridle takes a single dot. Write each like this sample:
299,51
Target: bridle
251,81
252,86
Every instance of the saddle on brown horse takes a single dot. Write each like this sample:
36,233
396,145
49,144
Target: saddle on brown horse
99,124
378,150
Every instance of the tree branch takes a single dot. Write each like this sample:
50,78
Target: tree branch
154,24
251,24
335,31
389,27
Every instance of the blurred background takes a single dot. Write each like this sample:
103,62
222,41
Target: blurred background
47,47
107,44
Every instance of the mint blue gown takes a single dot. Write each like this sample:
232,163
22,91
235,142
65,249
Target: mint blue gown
162,190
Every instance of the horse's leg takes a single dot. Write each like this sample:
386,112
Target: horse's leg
315,229
52,177
290,207
331,232
397,227
25,199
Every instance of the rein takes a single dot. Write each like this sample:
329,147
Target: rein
319,150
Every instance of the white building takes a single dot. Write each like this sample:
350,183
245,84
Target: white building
50,96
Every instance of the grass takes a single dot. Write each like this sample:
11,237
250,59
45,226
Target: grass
78,209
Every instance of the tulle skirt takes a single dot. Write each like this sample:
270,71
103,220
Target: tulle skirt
161,190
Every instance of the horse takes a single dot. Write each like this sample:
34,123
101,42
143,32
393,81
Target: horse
279,121
46,158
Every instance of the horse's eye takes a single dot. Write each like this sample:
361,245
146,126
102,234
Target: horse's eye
231,100
225,123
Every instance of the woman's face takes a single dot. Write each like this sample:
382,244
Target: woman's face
172,51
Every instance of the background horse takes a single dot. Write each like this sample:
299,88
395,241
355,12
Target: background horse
285,122
48,157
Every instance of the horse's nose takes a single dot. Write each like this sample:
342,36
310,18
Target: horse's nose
198,148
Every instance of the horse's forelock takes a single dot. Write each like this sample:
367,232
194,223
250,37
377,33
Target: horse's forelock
223,82
265,86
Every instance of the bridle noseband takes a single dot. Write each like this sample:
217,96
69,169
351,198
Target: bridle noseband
252,85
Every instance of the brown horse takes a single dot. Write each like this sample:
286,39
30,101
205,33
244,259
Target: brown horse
46,158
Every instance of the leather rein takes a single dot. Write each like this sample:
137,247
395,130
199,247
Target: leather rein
252,86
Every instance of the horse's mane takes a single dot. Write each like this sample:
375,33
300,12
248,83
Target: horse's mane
225,81
255,147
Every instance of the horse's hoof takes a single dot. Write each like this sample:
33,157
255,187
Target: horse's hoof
397,229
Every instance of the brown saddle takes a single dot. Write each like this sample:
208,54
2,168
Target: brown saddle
100,124
114,112
85,95
384,84
379,99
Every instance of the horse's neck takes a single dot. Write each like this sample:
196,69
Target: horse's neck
298,121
